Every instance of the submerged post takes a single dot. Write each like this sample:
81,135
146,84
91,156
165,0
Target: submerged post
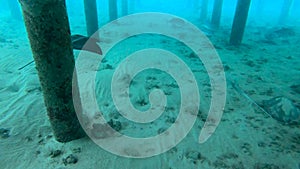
113,10
216,15
124,7
91,16
239,22
49,34
204,7
285,11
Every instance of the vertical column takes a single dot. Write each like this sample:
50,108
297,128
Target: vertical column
239,22
204,8
285,11
216,15
91,16
49,34
113,10
124,7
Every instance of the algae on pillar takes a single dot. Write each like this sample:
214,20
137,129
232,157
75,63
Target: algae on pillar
216,15
239,22
49,34
91,16
113,10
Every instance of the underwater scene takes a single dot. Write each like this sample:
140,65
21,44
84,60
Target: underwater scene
150,84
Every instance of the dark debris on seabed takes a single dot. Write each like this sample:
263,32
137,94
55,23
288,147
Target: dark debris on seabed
4,133
70,159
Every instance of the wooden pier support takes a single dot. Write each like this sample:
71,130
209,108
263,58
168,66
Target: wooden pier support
91,16
216,15
124,7
49,34
285,11
113,10
239,22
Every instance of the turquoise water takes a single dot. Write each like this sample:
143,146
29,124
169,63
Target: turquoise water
260,94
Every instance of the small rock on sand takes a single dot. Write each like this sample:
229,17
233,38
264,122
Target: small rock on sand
71,159
4,133
55,153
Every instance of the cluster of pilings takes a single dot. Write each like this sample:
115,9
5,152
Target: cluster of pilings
240,17
49,34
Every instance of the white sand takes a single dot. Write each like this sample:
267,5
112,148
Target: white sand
245,138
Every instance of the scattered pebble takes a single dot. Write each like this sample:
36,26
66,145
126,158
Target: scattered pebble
246,148
250,63
4,133
229,156
115,125
261,144
38,152
28,139
226,68
76,150
41,141
266,166
192,55
194,156
55,153
173,150
161,130
171,120
49,136
296,88
71,159
238,165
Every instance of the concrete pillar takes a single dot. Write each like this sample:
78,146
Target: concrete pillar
204,9
239,22
124,7
216,15
285,11
49,34
113,10
91,16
